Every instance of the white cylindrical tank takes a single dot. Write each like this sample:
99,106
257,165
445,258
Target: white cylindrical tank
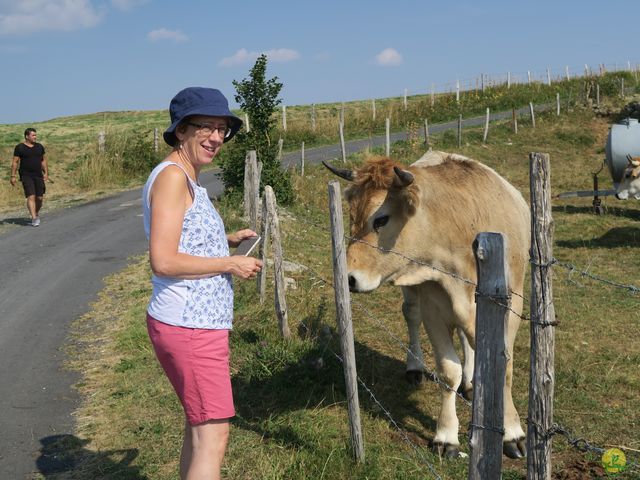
623,140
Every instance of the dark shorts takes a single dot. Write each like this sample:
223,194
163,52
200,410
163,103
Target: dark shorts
33,185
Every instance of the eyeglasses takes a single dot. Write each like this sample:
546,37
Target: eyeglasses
206,130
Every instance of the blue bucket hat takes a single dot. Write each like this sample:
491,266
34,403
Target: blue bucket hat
199,101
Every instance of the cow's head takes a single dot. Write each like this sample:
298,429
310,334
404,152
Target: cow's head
382,198
630,184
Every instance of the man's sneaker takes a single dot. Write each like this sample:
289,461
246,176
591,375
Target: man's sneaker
35,222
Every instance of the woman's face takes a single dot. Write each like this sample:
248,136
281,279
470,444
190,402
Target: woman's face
203,137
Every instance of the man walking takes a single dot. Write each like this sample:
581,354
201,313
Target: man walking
33,171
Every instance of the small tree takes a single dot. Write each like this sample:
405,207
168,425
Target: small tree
258,98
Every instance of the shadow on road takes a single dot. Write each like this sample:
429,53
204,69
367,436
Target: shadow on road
65,456
23,221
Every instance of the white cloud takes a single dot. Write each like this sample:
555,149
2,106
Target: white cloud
243,57
164,34
389,57
31,16
126,5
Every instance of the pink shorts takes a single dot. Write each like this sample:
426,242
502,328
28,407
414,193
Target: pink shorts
196,361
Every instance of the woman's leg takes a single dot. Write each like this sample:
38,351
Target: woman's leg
203,450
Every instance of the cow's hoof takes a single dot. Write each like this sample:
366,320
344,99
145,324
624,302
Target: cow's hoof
446,450
515,448
467,393
414,377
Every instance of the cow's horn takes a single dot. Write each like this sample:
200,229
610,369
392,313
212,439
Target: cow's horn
405,177
629,159
341,172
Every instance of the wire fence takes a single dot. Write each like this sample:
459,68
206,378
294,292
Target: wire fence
578,443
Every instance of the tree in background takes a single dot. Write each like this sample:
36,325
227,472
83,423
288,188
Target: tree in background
258,98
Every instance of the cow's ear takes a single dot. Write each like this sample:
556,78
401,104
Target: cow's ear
403,178
340,172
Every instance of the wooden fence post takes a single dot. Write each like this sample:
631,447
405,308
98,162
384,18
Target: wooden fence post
302,160
246,123
343,312
533,115
284,118
558,104
280,144
492,315
264,246
460,131
542,372
514,118
404,100
155,140
101,141
251,189
373,110
343,147
313,117
426,133
387,126
486,127
276,247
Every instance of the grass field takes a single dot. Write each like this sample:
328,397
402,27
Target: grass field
291,418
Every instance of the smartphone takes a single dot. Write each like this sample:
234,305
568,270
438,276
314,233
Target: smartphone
247,245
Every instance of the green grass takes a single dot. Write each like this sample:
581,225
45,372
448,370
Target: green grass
290,398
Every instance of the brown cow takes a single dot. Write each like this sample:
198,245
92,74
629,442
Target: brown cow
404,221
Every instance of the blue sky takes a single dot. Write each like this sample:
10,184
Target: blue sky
67,57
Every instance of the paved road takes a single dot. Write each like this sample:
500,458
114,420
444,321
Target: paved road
50,275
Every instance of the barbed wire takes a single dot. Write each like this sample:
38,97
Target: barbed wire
430,374
583,273
373,396
580,443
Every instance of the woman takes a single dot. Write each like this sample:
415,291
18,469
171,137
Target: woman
191,308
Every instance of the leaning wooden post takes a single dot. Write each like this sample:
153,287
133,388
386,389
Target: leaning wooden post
373,110
597,94
492,315
343,147
263,251
533,115
542,373
387,127
460,131
155,140
247,127
276,245
302,160
558,104
514,121
486,127
343,313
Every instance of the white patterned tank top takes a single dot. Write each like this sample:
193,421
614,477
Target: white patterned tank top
202,303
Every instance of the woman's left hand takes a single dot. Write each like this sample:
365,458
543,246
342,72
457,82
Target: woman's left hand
234,239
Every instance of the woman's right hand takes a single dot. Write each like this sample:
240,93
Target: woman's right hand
244,267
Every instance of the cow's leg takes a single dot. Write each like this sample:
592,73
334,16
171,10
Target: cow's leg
466,387
411,312
450,373
514,437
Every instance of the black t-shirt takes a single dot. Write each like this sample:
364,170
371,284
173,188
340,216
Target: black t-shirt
30,159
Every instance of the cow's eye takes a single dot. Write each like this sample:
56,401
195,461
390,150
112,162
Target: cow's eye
380,222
